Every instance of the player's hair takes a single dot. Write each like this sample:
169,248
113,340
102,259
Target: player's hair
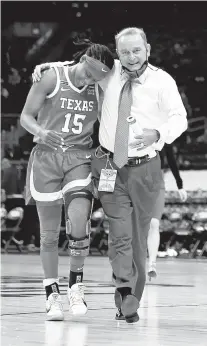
131,31
97,51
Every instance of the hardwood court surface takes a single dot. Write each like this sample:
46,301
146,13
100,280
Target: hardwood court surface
173,310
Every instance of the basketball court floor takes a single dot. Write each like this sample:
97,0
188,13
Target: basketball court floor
173,309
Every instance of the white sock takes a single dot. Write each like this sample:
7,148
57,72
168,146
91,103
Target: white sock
47,282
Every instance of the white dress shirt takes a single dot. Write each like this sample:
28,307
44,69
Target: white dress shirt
156,104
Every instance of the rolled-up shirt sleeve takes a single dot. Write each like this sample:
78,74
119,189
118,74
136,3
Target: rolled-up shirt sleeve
170,103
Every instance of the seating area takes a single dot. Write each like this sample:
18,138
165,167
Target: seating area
183,228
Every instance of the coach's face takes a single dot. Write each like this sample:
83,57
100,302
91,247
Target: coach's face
133,51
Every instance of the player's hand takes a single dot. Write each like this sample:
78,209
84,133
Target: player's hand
52,138
147,138
37,74
183,195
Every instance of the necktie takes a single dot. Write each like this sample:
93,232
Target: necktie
122,129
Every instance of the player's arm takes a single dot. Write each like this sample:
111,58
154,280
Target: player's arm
175,171
173,165
39,69
34,102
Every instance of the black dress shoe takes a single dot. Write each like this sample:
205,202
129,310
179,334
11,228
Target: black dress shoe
129,308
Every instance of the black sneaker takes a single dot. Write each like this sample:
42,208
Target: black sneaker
119,316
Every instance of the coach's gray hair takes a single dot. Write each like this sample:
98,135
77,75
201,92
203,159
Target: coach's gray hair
131,31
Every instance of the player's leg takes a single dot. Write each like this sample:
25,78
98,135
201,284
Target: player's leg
44,178
50,220
153,240
77,210
78,203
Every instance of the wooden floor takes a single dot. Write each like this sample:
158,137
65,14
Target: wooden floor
173,310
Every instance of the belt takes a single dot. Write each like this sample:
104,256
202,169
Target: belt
132,161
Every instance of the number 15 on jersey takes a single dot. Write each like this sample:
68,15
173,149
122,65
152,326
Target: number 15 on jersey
75,125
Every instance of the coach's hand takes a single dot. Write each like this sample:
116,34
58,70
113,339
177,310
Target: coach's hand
147,138
52,138
39,69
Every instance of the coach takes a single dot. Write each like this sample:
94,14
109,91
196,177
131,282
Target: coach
150,95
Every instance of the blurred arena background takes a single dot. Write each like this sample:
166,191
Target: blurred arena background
35,32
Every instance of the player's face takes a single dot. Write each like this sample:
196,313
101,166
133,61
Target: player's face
132,51
84,76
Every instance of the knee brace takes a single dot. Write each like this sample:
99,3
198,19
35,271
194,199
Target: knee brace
78,246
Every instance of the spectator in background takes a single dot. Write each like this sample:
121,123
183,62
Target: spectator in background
14,76
3,211
13,181
30,228
10,178
4,144
4,95
203,138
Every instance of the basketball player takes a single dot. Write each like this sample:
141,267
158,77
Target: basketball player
153,239
65,102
